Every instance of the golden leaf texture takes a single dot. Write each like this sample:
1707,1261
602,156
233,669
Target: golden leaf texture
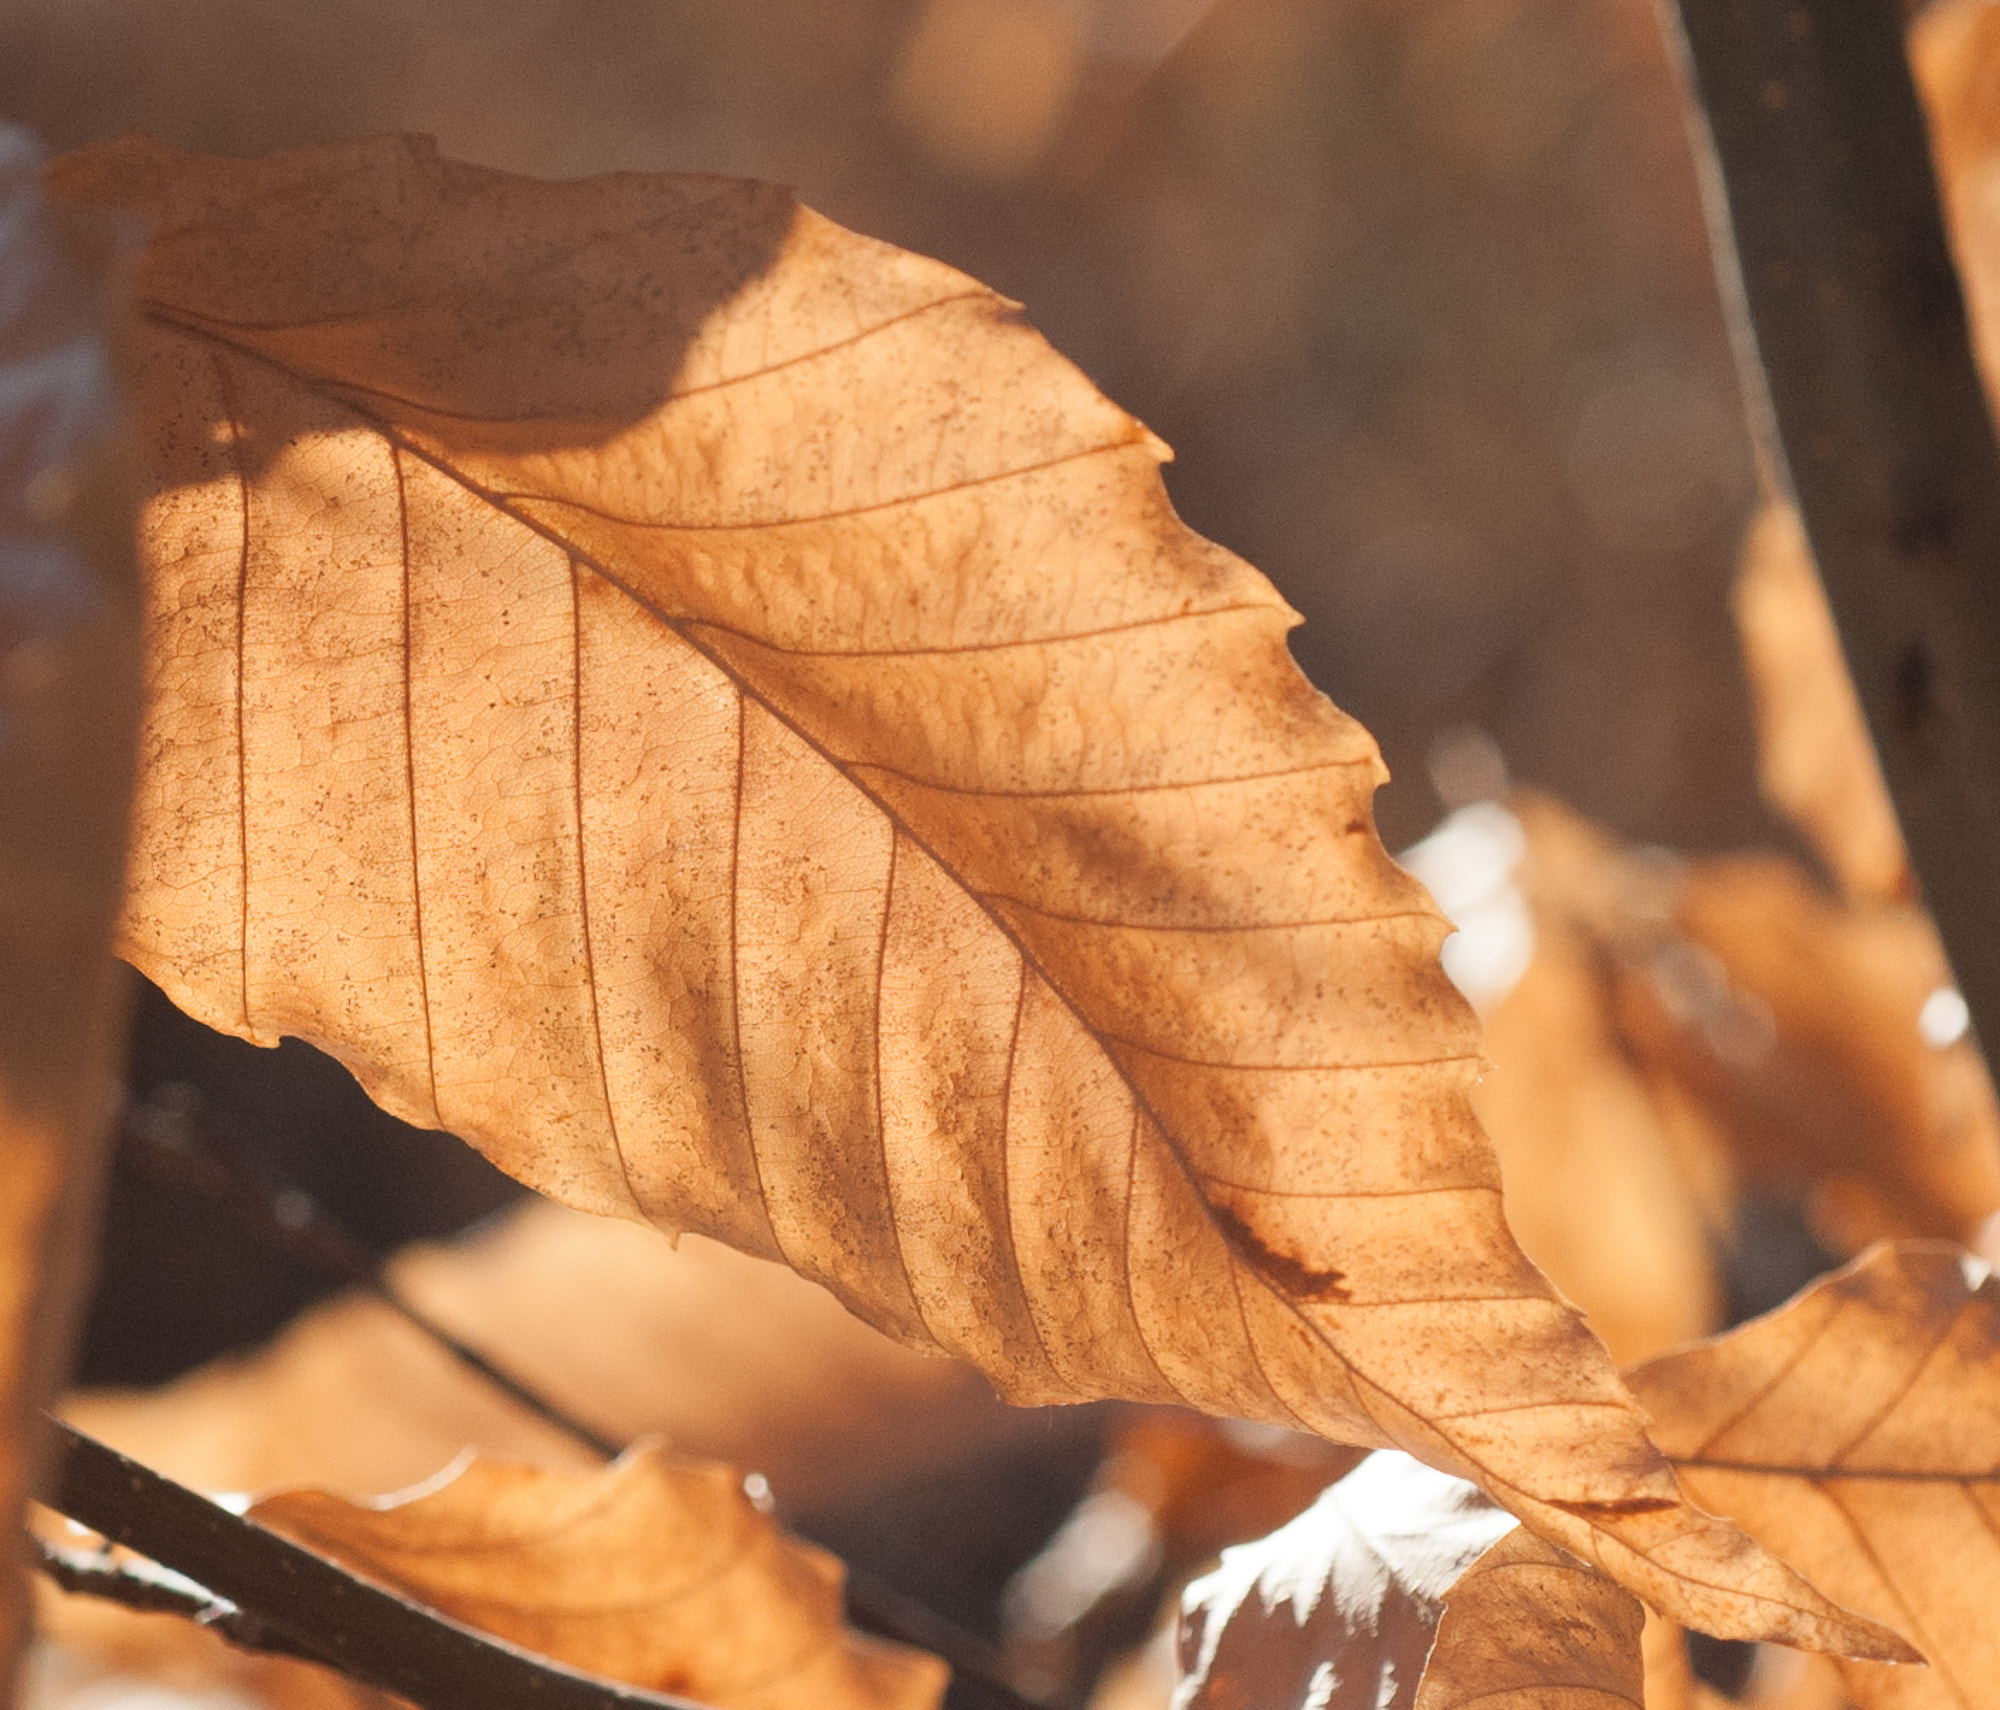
69,705
713,710
1529,1627
656,1572
1857,1430
1404,1589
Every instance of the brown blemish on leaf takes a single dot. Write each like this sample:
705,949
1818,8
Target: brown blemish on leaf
1619,1506
1298,1279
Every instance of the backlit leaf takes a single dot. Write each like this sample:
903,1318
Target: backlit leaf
1529,1627
1857,1430
713,710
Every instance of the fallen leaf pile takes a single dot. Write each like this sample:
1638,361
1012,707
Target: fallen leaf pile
908,853
68,705
660,1573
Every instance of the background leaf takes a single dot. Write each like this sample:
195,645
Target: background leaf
1403,1588
656,1572
1857,1430
721,1356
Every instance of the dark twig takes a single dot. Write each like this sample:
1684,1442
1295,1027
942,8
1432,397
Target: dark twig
1855,354
173,1137
313,1607
153,1590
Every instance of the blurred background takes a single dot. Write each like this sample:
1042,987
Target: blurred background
1417,289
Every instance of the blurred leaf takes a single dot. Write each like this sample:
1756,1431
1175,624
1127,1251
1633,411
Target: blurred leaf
1799,1023
1599,1190
651,1571
68,706
1816,761
1394,1565
1857,1430
1955,55
1692,1028
724,1356
1173,1489
713,710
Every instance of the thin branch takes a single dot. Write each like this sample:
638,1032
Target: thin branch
1856,359
153,1590
172,1137
312,1606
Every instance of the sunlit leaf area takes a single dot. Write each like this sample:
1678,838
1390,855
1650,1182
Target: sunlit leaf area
997,854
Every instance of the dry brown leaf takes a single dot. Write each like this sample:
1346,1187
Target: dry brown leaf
656,1572
69,668
1815,758
1394,1565
713,710
1778,1036
723,1356
1598,1191
1857,1429
1529,1627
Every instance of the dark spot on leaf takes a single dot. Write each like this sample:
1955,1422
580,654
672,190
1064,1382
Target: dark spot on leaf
1617,1506
1294,1276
